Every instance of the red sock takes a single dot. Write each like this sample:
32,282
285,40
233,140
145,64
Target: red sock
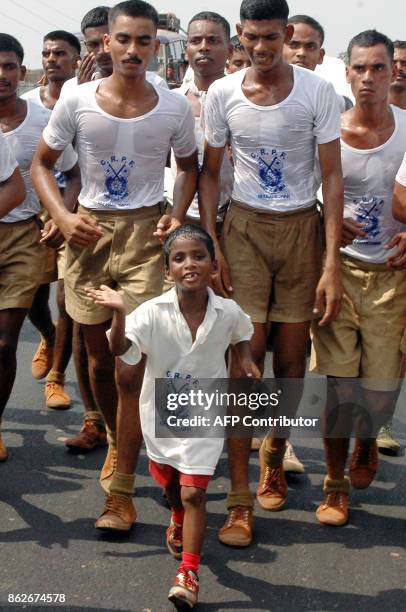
177,515
190,561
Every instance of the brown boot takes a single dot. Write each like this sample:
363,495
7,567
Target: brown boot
119,513
3,450
91,435
364,463
55,394
42,361
334,509
108,469
237,530
272,489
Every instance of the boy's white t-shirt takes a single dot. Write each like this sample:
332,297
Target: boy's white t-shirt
8,162
369,180
122,161
23,141
158,329
226,170
274,147
401,175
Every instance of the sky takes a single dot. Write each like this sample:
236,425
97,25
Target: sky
29,20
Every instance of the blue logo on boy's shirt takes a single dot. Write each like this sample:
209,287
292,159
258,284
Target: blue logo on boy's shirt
271,174
116,170
367,211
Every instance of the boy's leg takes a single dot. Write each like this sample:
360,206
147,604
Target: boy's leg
186,584
289,362
237,530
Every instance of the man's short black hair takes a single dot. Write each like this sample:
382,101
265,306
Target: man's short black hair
134,8
307,20
65,36
10,44
95,18
190,232
399,44
261,10
370,38
215,18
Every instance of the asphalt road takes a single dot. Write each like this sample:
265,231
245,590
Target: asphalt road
49,500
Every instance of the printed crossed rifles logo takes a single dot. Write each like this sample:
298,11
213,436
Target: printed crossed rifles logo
117,170
271,172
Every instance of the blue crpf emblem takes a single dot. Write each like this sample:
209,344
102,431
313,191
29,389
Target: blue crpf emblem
271,173
116,170
367,211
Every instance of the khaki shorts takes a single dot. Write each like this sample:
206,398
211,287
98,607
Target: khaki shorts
128,258
365,339
275,262
21,257
54,264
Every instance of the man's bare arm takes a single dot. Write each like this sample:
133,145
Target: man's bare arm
329,290
209,194
79,230
12,193
399,203
183,194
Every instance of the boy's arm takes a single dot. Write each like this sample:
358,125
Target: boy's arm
399,202
118,342
243,350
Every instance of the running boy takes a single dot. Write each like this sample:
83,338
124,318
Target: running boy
183,333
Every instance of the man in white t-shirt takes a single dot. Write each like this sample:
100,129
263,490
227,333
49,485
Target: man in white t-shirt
97,63
364,341
21,255
397,92
123,128
305,48
60,55
208,48
276,116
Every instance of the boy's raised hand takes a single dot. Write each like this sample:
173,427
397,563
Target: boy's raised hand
105,296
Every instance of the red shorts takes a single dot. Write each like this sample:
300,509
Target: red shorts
164,474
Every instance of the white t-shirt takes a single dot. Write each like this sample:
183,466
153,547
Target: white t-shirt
35,96
122,161
23,142
158,329
401,175
226,171
369,180
274,147
8,162
151,77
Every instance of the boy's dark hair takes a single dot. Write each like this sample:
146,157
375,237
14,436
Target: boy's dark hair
237,46
399,44
134,8
215,18
307,20
10,44
65,36
95,18
190,232
261,10
370,38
